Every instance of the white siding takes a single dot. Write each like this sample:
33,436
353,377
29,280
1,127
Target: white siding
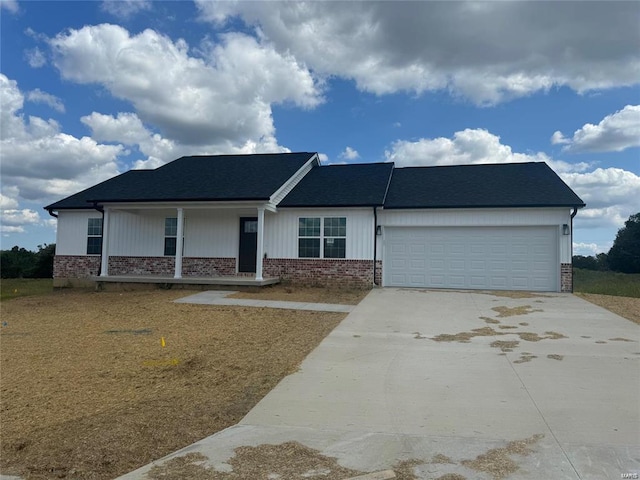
71,237
486,218
136,235
212,233
281,231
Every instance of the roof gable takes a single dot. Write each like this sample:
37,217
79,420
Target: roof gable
479,186
196,178
352,185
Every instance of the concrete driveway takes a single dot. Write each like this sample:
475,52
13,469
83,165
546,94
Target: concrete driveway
563,404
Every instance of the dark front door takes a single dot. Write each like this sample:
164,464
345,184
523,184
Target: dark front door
248,244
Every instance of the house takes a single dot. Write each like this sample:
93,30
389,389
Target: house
266,217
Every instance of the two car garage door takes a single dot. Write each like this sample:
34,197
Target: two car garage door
492,258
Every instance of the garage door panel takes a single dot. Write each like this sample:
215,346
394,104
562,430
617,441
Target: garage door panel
518,258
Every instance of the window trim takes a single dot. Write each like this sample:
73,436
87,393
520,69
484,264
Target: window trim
92,235
175,237
321,237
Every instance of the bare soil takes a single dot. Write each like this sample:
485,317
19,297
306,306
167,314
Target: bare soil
627,307
88,391
345,296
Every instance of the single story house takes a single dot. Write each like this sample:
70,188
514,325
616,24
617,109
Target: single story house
285,216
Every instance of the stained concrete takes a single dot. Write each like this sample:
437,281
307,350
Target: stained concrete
379,390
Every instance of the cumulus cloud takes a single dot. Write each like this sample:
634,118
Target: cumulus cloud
470,146
38,96
7,203
10,5
615,133
221,102
41,162
14,221
590,249
125,9
610,193
35,57
349,154
487,52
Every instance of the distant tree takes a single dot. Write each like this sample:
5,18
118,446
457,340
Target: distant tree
587,263
624,255
602,260
43,267
17,263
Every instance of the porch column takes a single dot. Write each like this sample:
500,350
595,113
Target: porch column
104,258
179,241
260,246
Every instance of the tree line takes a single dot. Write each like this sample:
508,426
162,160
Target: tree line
624,255
22,263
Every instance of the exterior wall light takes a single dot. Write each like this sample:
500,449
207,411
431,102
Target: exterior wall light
565,229
379,230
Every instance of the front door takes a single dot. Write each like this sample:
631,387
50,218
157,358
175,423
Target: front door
248,244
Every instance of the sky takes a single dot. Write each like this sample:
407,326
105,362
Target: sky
91,89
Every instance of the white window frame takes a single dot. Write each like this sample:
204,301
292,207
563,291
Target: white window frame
322,237
94,235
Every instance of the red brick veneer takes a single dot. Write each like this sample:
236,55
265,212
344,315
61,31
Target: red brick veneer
208,267
75,266
327,272
566,277
141,266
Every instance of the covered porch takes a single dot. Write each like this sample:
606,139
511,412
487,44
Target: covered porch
219,243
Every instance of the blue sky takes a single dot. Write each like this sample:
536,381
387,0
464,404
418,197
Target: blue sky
92,89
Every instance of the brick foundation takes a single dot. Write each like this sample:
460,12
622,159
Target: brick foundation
325,272
142,266
208,267
566,277
75,266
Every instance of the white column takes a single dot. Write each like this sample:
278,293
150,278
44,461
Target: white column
104,260
179,241
260,246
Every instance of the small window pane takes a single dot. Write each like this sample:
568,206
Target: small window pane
250,226
94,226
334,248
309,227
170,227
94,245
309,247
335,227
170,246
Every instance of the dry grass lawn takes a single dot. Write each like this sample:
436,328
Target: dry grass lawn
89,392
627,307
287,293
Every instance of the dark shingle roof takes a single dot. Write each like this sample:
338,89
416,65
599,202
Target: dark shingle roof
341,186
196,178
474,186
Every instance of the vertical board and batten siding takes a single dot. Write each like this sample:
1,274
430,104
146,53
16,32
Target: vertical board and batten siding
515,217
135,235
212,233
71,235
281,231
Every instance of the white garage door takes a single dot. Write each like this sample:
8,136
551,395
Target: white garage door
493,258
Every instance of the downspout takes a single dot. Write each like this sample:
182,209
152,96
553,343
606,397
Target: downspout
375,245
573,214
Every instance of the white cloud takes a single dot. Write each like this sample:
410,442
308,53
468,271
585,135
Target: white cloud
559,139
7,203
487,52
323,157
11,5
38,96
590,249
470,146
125,9
349,154
14,221
39,161
610,193
221,103
35,57
616,132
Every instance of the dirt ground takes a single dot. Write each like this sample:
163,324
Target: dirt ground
344,296
627,307
97,384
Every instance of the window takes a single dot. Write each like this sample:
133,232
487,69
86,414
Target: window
94,236
322,237
170,236
335,232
